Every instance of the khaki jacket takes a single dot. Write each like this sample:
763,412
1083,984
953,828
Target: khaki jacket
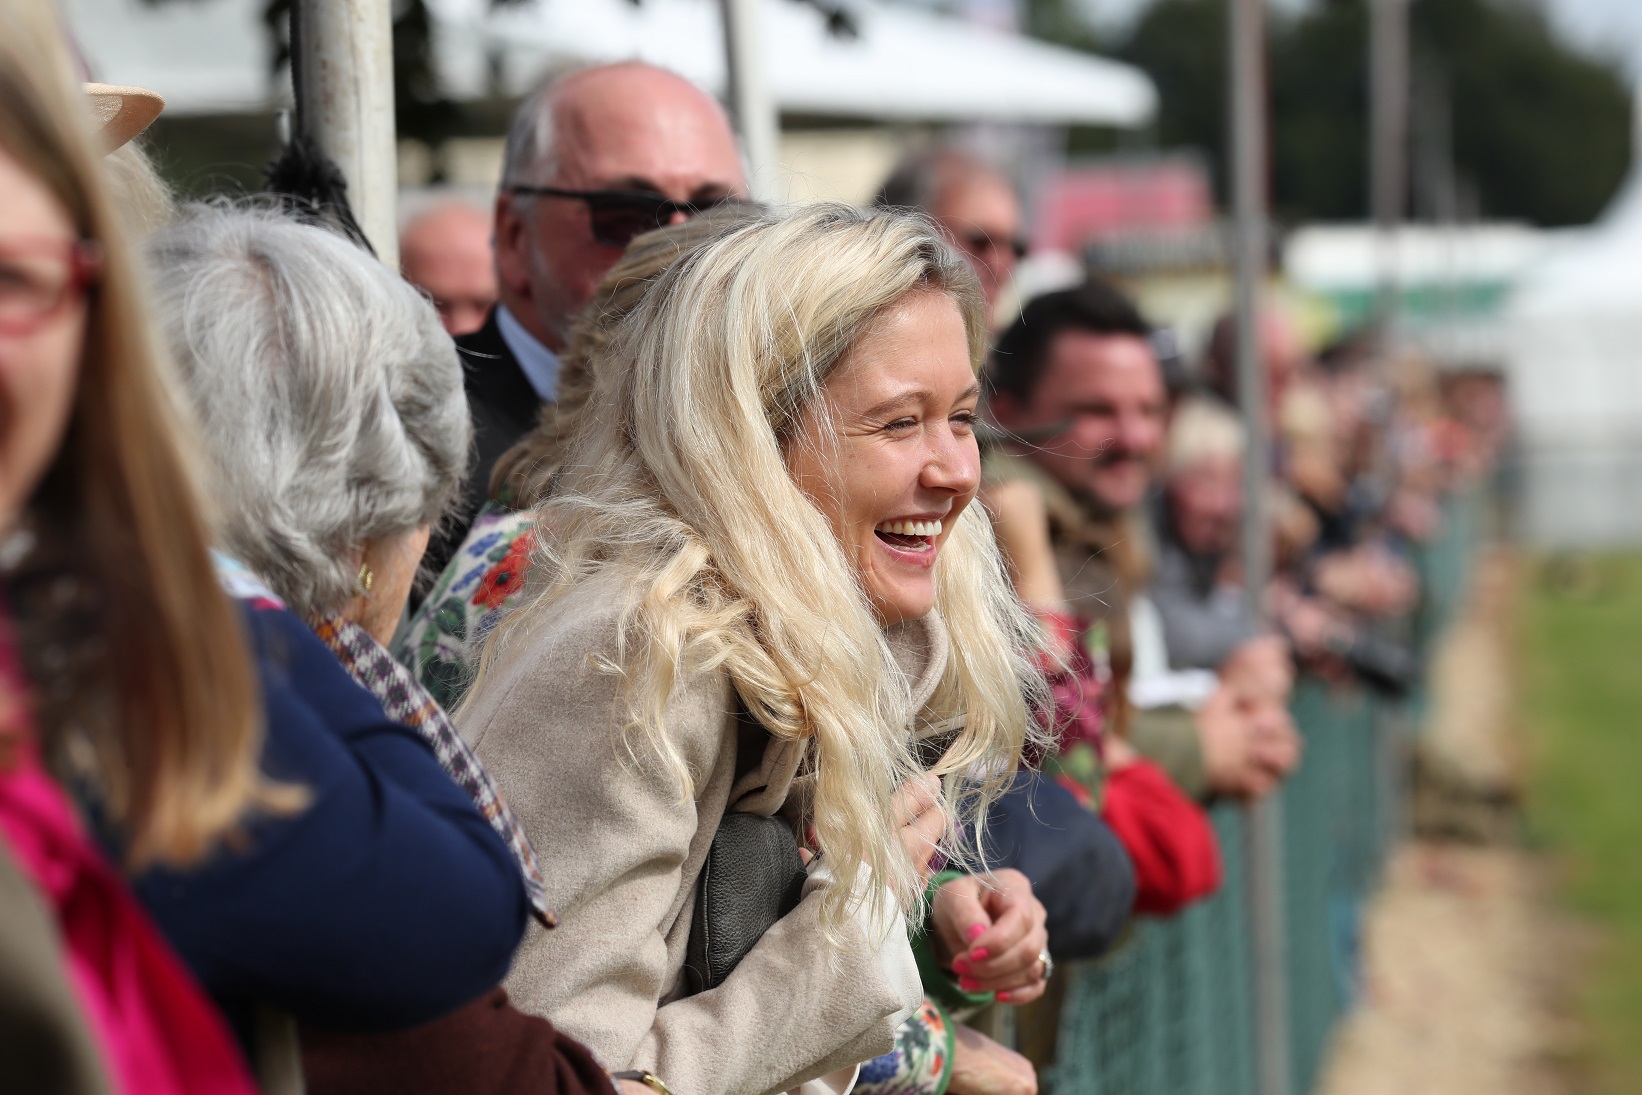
621,850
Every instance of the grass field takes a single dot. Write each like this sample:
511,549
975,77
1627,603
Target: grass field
1579,630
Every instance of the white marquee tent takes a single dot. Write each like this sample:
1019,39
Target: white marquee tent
1575,374
210,57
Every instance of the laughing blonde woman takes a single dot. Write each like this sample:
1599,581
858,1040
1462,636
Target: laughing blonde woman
761,545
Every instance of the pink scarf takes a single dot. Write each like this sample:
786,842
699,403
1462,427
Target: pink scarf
158,1032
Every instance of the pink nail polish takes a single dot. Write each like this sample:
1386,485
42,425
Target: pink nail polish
960,966
1002,997
979,954
969,984
974,932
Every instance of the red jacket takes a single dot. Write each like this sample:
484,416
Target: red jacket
1168,836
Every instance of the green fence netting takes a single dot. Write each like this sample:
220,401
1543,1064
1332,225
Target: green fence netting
1173,1011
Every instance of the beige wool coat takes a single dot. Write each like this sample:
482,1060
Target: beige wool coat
621,850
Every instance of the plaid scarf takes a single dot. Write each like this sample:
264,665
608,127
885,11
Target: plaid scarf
406,701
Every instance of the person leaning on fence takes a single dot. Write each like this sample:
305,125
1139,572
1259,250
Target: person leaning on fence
1348,568
1076,864
594,158
488,576
847,408
1076,378
333,449
1197,583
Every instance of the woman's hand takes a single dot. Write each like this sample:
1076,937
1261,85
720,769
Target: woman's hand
989,929
981,1066
923,821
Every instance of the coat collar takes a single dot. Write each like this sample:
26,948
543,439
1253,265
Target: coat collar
920,648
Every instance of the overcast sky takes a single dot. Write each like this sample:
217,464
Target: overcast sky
1609,26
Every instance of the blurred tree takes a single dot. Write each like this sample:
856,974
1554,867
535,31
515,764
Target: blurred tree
1541,132
1320,111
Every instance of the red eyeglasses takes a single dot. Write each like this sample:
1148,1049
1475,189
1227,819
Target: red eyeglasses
39,277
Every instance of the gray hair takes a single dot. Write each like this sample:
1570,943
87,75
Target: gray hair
1202,428
329,398
920,178
530,157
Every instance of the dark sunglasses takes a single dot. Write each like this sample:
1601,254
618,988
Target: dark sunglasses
981,242
617,216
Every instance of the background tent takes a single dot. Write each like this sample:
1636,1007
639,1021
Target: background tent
1575,377
904,64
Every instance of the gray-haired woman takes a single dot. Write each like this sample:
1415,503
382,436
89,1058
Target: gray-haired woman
330,403
330,400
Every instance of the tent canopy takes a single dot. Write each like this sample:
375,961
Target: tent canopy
906,64
1575,337
1576,334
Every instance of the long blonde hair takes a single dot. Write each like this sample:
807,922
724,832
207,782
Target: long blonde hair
138,656
676,479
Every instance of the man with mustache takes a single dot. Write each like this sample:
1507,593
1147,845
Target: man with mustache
1076,380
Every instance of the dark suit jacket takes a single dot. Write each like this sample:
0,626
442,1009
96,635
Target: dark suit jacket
504,407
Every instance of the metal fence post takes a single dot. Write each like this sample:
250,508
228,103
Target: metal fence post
757,120
1388,99
342,76
1263,820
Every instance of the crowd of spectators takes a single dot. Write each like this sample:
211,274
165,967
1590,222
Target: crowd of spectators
735,661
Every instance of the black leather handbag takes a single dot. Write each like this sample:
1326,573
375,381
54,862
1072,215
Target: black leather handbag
753,877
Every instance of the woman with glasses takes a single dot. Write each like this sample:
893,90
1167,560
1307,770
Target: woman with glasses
748,567
123,668
300,852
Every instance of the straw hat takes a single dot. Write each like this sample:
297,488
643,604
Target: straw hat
122,112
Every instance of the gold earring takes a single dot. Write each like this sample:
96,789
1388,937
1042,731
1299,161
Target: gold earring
366,577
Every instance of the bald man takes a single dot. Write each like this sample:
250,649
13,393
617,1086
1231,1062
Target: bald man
972,203
445,252
594,159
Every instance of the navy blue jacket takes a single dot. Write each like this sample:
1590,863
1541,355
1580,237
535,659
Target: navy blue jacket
1078,869
386,903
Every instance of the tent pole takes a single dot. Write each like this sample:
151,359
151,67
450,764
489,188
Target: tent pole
757,121
342,75
1263,827
1388,97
